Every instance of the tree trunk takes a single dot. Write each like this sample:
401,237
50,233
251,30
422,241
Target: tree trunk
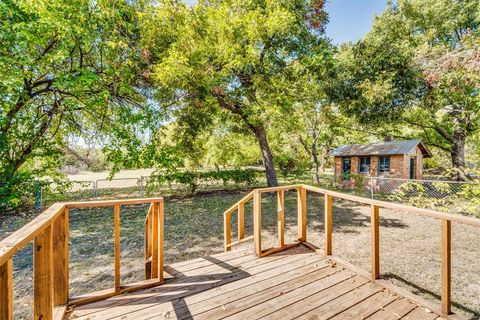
458,155
267,157
316,167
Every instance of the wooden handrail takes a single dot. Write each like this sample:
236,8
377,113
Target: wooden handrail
49,233
375,205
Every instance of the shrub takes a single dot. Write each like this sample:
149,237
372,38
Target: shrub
193,179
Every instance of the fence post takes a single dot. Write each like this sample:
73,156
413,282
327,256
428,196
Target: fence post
6,290
60,258
446,265
375,225
302,213
241,221
281,217
328,224
257,222
141,186
43,275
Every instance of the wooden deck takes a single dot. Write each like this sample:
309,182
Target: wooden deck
293,284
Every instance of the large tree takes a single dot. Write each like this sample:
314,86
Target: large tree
232,59
68,68
418,66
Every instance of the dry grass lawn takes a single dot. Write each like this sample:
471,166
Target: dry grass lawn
410,245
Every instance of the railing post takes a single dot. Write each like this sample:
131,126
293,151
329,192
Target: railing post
241,220
302,213
116,232
6,290
60,258
227,237
375,224
148,244
328,224
161,236
281,217
155,241
446,266
257,222
43,276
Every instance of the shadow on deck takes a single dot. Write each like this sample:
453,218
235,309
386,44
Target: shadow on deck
297,283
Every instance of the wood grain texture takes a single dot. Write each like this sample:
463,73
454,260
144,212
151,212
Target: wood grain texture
43,276
161,236
328,224
6,290
61,259
257,222
227,233
281,218
295,283
241,220
116,243
375,226
302,214
446,265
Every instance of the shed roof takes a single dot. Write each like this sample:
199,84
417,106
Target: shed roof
381,148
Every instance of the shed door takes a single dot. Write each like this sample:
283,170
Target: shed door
412,168
346,167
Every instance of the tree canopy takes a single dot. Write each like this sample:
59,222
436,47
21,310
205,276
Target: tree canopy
418,67
234,60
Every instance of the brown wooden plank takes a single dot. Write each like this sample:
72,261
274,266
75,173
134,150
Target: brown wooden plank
301,302
155,239
446,272
207,300
304,283
257,222
111,203
302,214
367,307
281,218
17,240
6,290
394,311
192,282
161,236
116,243
343,302
61,258
241,220
148,245
399,207
420,313
227,233
375,225
328,224
43,276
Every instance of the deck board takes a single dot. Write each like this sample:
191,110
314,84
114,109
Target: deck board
293,284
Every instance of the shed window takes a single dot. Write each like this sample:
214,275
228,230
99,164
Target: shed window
364,164
384,164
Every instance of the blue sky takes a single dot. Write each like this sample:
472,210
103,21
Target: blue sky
350,20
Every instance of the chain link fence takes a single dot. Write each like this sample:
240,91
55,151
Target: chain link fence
447,196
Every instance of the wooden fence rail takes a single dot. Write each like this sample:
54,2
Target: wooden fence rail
329,196
49,233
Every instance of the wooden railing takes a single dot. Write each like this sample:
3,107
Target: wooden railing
49,233
329,196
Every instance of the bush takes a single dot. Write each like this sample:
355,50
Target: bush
193,179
